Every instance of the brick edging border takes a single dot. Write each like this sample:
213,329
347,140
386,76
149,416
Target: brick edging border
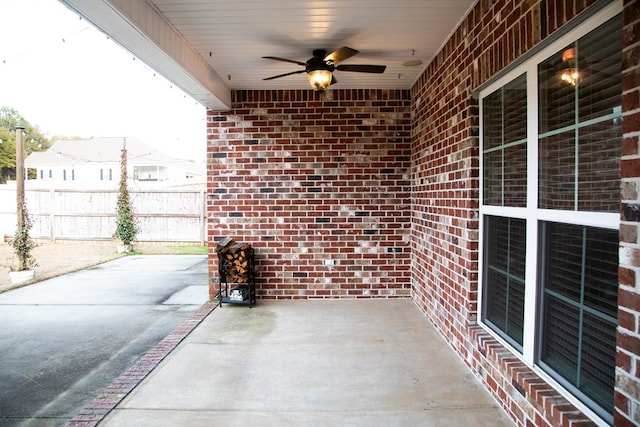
95,411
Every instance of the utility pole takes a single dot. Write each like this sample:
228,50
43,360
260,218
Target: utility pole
20,173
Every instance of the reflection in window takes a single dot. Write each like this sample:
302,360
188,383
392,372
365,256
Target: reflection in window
579,124
505,145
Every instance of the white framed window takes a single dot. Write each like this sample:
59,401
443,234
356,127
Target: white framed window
550,201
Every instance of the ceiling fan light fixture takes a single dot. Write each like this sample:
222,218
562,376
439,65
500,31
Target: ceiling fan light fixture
570,76
319,79
321,66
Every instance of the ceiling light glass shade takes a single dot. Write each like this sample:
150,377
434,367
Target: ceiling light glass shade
570,75
319,79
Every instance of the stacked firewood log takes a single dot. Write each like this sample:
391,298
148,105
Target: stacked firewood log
235,261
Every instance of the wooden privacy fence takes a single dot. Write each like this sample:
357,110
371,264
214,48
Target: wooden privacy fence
162,215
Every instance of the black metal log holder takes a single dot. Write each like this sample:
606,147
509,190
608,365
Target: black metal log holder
236,273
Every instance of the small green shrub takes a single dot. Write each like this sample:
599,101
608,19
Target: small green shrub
126,226
22,243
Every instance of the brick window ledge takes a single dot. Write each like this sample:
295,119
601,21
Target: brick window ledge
524,395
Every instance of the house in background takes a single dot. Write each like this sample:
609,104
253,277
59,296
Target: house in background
95,163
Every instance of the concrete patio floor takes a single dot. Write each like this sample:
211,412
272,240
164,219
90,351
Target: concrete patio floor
303,363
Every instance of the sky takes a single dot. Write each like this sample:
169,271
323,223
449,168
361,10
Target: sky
69,79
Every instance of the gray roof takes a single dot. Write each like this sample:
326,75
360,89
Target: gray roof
98,150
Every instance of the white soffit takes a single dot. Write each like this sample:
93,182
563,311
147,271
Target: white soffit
142,30
209,47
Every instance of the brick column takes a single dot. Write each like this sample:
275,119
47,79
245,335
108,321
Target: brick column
627,398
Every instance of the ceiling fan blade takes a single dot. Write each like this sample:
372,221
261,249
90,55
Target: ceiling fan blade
362,68
340,54
285,74
275,58
333,80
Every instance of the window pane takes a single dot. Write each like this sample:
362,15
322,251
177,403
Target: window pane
559,348
504,145
556,97
599,53
598,366
515,176
557,172
599,167
565,107
515,313
505,180
492,178
601,271
579,309
515,110
598,175
497,238
564,250
504,276
496,297
492,120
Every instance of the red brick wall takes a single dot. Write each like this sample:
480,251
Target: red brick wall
319,185
627,399
311,181
445,204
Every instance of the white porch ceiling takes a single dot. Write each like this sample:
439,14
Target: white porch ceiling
208,47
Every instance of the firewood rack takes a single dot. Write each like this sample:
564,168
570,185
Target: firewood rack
236,273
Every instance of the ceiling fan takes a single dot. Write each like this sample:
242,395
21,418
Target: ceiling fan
320,67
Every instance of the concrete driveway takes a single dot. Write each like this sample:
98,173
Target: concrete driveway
64,339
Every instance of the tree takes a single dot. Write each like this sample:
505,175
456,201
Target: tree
34,140
126,226
7,154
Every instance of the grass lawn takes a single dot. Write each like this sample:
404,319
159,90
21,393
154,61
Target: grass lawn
164,249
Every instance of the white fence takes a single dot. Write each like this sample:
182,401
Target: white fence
162,215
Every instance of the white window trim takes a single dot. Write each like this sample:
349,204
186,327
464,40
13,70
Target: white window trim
531,213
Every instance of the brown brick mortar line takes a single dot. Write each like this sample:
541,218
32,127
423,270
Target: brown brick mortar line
95,411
